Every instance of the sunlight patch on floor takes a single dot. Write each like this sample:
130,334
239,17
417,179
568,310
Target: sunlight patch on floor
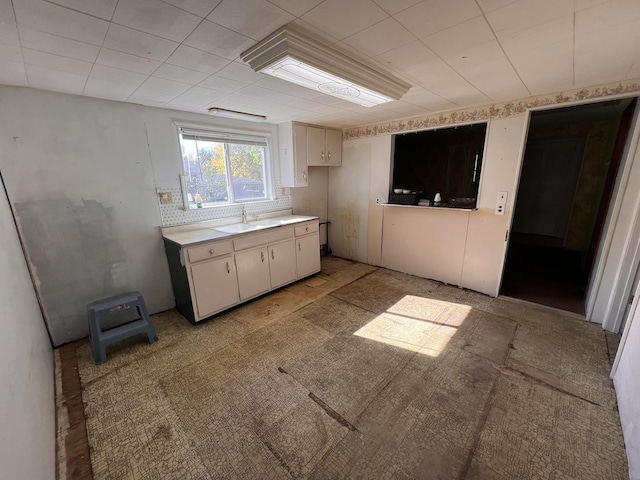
417,324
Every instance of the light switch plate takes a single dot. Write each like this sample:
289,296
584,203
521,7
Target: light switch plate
502,197
500,207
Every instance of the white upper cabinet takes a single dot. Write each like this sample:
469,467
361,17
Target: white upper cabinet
304,145
324,147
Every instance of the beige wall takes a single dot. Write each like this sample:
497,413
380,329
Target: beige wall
27,405
462,248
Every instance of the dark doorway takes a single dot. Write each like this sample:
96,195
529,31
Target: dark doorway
568,175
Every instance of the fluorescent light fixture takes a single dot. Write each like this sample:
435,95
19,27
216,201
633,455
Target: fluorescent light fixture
223,112
294,56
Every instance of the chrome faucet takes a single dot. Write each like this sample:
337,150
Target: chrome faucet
244,214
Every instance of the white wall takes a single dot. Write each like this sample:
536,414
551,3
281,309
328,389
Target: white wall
27,404
82,175
627,386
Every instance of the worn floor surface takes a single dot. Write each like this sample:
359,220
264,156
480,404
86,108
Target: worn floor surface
358,372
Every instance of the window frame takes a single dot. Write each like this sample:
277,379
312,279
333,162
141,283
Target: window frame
228,135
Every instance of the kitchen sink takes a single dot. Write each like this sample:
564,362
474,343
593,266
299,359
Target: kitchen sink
238,228
267,222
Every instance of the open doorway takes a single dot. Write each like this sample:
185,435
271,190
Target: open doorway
568,175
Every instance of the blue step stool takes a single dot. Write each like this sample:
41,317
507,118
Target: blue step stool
101,339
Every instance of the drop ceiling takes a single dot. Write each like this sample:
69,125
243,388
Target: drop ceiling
184,54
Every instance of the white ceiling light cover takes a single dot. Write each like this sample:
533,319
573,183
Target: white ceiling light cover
295,57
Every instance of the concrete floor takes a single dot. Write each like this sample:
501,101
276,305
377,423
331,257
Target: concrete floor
357,372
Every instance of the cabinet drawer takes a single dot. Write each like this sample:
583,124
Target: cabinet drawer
266,236
209,250
306,228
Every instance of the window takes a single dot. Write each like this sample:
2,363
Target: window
222,167
446,161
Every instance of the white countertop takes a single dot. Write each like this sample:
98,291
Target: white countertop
201,233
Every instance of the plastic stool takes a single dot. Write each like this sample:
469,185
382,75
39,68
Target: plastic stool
101,339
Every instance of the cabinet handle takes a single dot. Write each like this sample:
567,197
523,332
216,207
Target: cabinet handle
273,255
299,247
304,176
307,229
322,155
228,268
211,252
262,256
329,155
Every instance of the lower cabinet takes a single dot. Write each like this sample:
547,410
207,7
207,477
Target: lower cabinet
210,277
214,285
307,254
282,263
253,272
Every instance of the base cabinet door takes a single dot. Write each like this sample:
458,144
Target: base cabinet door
215,285
308,254
282,263
253,273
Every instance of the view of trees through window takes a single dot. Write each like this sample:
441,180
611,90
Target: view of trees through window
219,172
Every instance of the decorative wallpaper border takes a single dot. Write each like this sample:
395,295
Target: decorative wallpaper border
495,110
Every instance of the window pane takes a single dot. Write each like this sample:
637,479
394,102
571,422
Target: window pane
246,164
205,172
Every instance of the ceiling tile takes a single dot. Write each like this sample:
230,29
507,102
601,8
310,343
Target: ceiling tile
142,44
10,53
9,34
151,97
394,6
222,84
126,61
474,55
108,88
511,19
546,69
253,91
603,17
539,36
594,62
48,79
194,59
49,18
46,42
13,73
202,8
342,19
421,97
157,18
584,4
164,85
179,74
98,8
431,16
296,7
56,62
253,18
218,40
460,38
491,5
495,78
240,73
379,38
6,12
206,94
117,75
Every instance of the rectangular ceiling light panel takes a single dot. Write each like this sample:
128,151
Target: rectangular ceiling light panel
295,57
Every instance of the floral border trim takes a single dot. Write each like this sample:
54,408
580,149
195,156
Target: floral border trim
496,110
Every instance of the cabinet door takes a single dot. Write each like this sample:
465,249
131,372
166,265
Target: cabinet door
253,272
315,147
334,147
282,263
300,155
215,285
308,254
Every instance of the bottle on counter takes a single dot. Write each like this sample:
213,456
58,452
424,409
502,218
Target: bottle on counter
198,200
437,200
